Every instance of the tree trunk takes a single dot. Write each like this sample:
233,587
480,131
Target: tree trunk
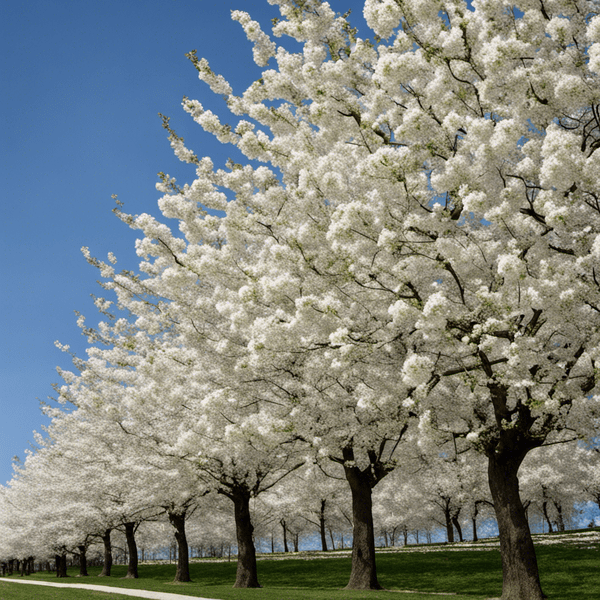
458,528
132,568
183,557
108,561
322,526
332,539
547,516
296,542
61,565
363,575
246,575
284,526
519,564
449,527
82,561
560,523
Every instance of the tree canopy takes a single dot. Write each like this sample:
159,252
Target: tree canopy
408,255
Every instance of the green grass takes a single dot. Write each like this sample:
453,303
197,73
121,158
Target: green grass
17,591
567,572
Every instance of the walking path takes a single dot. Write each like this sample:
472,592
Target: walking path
109,590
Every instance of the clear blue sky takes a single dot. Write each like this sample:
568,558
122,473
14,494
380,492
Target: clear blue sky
82,85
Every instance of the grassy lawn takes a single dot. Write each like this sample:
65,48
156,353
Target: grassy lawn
16,591
567,572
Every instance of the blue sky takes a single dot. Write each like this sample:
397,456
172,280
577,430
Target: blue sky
83,83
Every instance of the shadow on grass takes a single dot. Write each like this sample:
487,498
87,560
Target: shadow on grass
567,572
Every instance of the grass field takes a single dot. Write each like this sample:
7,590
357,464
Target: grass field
568,572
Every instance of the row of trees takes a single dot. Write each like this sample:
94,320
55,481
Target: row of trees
49,516
405,265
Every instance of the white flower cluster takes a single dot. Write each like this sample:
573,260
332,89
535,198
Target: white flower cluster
264,48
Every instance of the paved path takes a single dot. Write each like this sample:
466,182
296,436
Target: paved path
109,590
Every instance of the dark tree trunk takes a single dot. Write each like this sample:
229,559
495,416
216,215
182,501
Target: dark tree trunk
82,561
519,563
183,557
560,523
284,526
456,523
296,542
322,526
108,560
546,516
246,575
332,539
61,565
364,573
132,568
449,527
474,521
505,448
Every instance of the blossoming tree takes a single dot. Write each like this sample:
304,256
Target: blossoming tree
424,242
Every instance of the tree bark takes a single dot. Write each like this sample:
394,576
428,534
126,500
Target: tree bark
82,561
61,565
322,526
456,523
363,575
547,516
132,568
449,527
183,557
519,563
560,522
246,575
284,526
108,561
